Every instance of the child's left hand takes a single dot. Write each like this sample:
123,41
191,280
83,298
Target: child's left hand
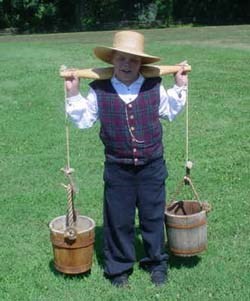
181,78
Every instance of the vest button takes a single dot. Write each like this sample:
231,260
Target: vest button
130,105
131,117
136,160
134,150
132,128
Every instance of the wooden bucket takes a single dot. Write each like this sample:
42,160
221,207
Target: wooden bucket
186,226
73,256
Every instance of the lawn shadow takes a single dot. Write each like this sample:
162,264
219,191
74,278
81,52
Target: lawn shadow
67,276
179,262
173,261
98,245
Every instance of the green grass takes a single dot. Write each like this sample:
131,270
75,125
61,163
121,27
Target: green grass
32,151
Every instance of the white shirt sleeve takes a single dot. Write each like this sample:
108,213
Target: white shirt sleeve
83,111
172,101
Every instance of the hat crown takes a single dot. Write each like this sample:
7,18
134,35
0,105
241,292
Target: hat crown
129,41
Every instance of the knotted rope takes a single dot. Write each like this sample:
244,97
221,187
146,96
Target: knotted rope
71,217
189,164
187,179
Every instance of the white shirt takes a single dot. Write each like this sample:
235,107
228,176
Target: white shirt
83,111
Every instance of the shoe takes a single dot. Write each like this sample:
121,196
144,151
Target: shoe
120,280
158,278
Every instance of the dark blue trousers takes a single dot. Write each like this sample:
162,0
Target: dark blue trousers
128,187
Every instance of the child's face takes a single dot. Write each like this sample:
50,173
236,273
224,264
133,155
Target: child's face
126,67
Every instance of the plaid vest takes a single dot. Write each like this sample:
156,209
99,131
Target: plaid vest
131,133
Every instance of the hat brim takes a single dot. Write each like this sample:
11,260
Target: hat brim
106,55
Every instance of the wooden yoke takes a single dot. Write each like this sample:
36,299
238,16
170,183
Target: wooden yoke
107,72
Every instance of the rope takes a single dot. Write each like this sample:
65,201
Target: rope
71,216
189,164
192,186
67,131
70,232
187,180
66,170
187,128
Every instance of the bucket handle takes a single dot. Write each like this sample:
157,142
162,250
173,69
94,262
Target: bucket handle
187,181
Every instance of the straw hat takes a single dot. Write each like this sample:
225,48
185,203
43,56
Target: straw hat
127,42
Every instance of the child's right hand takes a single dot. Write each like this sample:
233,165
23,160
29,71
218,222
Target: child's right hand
181,77
72,86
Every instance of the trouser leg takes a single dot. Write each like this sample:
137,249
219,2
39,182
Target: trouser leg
151,207
119,216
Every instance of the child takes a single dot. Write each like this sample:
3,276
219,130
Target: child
129,107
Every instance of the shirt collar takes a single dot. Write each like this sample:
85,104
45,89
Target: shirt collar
138,81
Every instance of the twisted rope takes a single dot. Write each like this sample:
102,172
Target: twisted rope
71,215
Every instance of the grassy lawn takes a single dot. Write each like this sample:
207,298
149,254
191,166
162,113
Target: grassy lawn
32,151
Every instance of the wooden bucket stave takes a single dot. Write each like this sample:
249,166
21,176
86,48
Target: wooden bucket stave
186,227
73,257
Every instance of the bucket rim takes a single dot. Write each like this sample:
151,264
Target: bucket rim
184,216
168,213
64,216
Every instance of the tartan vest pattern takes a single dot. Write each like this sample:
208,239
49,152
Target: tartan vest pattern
131,133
